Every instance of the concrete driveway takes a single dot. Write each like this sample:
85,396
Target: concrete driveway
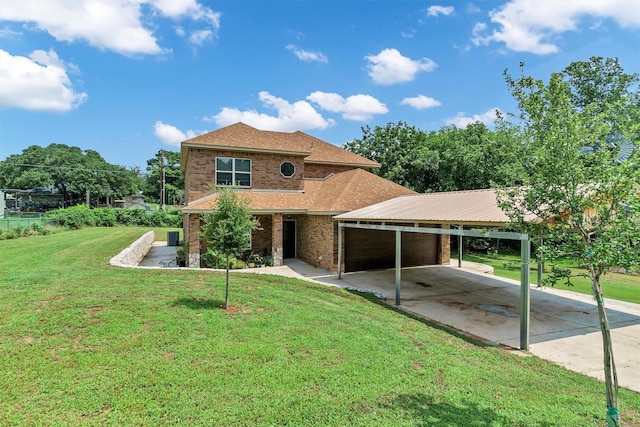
564,326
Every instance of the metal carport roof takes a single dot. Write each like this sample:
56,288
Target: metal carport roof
476,207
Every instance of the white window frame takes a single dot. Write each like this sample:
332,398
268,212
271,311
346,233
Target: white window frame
233,172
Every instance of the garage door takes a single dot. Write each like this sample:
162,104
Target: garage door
375,249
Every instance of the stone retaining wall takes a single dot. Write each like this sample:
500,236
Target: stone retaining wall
132,255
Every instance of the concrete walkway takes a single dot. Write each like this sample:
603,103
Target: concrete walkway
564,326
160,256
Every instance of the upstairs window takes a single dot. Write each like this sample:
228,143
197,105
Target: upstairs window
233,172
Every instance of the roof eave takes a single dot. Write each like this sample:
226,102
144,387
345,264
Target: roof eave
359,165
244,149
426,221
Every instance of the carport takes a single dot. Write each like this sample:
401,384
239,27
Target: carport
476,209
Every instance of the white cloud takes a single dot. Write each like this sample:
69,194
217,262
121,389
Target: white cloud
200,36
299,115
177,9
304,55
462,121
421,102
440,10
472,8
389,67
117,25
532,26
171,135
355,107
39,82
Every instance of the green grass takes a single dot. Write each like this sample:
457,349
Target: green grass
622,287
12,222
87,344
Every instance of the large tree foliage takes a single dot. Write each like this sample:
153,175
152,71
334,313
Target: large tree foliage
584,194
173,177
227,230
450,159
71,170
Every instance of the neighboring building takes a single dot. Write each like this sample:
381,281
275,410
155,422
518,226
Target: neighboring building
40,199
1,204
296,184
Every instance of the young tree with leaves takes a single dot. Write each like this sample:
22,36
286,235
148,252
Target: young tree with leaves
583,189
227,230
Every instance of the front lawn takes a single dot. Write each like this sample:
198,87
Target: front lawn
87,344
622,287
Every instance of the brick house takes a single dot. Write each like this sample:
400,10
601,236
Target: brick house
296,184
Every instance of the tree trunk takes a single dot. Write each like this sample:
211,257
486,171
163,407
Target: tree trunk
610,373
226,291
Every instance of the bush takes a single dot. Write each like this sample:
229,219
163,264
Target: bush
131,217
74,217
81,216
40,229
104,217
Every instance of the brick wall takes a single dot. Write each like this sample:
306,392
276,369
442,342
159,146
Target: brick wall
191,224
261,239
265,171
445,246
316,243
276,239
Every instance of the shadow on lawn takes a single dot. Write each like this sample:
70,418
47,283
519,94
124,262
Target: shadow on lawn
199,303
432,412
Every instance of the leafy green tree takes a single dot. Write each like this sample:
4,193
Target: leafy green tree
394,147
173,177
450,159
69,169
227,230
585,200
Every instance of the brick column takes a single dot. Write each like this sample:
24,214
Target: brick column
445,246
192,238
276,240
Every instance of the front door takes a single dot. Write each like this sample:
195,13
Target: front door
289,239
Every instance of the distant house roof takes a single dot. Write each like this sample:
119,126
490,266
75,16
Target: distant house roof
473,207
341,192
242,137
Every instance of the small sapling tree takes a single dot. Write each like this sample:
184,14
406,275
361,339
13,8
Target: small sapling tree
583,179
227,230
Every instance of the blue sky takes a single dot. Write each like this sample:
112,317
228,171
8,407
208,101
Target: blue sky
128,77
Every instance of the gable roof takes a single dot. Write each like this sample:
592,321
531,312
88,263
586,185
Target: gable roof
471,207
341,192
242,137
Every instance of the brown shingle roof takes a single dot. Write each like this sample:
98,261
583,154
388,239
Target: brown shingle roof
341,192
353,189
242,137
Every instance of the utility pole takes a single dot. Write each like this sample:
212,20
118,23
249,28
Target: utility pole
162,179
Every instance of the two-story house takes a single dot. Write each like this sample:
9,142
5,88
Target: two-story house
296,184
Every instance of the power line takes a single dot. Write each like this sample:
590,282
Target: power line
71,168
